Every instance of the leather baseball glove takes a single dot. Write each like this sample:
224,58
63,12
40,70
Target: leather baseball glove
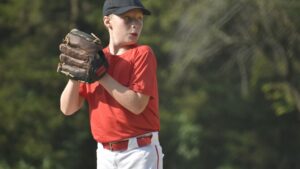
81,57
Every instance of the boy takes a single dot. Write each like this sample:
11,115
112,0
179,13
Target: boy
123,104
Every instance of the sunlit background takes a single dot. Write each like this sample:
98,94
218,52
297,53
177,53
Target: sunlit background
229,82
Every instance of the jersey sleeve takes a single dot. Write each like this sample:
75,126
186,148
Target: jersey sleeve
143,78
82,90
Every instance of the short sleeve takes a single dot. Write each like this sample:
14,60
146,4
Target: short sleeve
82,90
143,78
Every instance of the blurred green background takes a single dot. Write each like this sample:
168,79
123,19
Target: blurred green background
229,81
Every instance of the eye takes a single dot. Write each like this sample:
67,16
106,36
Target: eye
140,18
126,18
130,19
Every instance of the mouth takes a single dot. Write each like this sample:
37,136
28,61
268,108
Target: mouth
134,34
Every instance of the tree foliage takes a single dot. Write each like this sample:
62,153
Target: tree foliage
228,80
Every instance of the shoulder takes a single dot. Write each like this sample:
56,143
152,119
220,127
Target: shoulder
144,55
144,51
144,48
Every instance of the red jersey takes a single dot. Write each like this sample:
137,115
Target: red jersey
109,121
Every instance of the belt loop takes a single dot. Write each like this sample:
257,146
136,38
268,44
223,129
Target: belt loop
100,145
132,143
154,139
110,146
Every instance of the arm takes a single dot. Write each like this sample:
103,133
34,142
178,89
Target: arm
131,100
70,100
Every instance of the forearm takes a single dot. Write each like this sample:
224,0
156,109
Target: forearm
70,100
131,100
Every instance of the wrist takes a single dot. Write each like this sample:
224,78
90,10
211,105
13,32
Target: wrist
74,82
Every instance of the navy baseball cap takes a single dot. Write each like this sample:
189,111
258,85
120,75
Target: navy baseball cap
121,6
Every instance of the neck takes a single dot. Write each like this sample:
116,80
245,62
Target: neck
118,49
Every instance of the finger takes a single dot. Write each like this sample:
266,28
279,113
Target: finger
71,71
74,52
73,61
82,40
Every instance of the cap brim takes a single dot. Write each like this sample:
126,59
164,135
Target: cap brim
126,9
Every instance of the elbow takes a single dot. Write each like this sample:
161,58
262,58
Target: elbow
66,111
137,112
138,109
69,109
140,106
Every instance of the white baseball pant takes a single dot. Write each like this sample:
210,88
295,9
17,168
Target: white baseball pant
135,157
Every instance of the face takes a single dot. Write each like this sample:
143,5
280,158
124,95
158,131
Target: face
125,29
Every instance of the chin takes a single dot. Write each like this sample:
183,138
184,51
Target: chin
131,43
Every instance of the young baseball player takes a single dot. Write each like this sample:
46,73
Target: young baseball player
123,104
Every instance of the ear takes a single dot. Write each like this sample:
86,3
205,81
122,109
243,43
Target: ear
106,21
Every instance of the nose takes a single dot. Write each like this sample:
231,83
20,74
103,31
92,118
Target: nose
135,22
134,26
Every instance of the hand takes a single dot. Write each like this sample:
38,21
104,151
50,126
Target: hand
81,57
